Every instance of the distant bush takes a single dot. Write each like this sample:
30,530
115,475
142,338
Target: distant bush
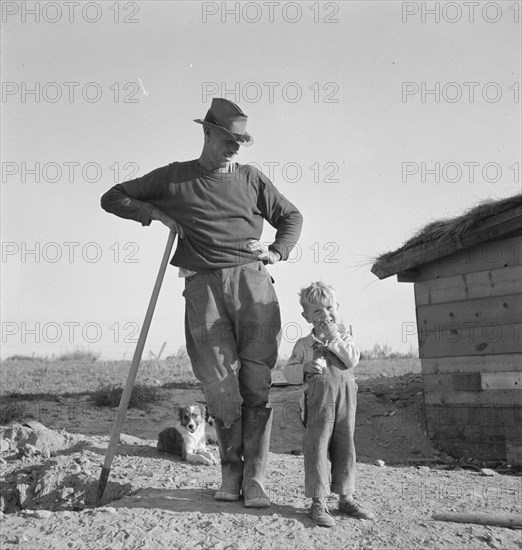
25,358
181,357
79,355
142,396
385,352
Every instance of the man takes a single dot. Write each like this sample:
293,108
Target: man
232,320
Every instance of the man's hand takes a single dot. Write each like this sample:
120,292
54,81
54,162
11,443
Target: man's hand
263,253
159,215
315,367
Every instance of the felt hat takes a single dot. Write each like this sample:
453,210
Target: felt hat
228,117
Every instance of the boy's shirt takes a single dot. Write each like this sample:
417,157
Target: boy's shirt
342,346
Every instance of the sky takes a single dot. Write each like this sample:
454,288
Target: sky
373,118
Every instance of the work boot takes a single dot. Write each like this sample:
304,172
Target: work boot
231,454
321,515
257,425
351,508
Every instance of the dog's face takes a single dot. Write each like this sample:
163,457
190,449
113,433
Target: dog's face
191,417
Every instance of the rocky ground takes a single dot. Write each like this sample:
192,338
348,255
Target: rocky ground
50,469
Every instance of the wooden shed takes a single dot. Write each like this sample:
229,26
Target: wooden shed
467,276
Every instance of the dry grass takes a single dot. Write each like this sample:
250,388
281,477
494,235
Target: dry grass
370,368
376,368
66,377
441,232
141,397
56,377
11,412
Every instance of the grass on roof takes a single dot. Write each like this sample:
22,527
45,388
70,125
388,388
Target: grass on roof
447,230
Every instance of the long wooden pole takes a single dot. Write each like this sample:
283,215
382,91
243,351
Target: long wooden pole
490,518
127,392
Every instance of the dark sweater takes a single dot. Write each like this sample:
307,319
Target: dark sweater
218,211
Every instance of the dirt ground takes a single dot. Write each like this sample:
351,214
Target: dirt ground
154,500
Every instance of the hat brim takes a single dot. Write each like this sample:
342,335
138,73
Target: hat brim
246,140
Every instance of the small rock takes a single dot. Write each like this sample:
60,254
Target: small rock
42,514
126,439
393,413
487,472
4,445
379,463
108,509
30,450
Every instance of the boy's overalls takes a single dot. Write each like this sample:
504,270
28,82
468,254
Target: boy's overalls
330,405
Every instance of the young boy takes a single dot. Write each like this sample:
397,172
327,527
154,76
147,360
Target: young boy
324,360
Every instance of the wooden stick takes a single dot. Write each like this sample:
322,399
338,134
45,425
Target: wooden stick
129,386
161,351
496,519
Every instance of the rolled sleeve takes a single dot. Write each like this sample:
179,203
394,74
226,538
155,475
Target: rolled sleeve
344,348
130,200
146,214
281,214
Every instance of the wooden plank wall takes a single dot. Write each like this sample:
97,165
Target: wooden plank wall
469,312
484,257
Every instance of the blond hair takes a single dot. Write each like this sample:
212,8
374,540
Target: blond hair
316,293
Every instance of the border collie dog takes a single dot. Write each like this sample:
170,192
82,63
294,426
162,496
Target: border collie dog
188,437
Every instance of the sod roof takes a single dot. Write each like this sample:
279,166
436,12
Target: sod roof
487,221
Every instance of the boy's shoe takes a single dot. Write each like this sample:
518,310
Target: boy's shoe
351,508
320,515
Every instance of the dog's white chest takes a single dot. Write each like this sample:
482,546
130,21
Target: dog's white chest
193,441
